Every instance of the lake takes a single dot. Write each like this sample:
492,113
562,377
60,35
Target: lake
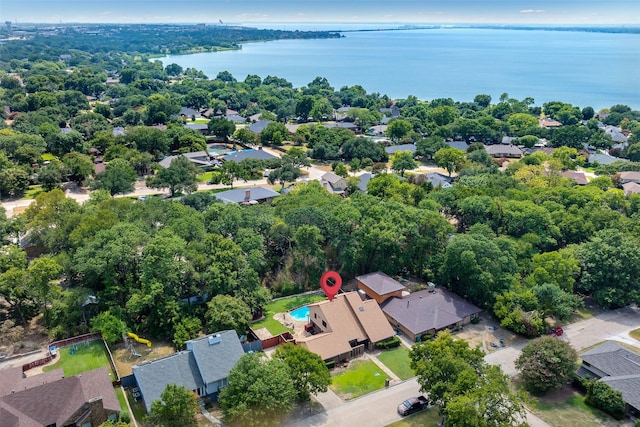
583,68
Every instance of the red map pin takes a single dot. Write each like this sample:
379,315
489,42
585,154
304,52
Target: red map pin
331,283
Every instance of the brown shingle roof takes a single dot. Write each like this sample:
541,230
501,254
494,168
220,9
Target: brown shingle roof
380,283
53,402
348,318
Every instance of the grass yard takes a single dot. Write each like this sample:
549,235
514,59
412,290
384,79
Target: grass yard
635,334
33,191
205,177
85,358
121,400
572,412
397,359
427,418
280,306
360,378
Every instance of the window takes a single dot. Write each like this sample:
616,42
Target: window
315,315
324,323
112,417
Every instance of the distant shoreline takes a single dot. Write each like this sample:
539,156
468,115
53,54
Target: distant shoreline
586,29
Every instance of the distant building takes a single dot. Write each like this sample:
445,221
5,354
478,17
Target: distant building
247,196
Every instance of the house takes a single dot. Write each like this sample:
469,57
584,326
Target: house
619,368
508,140
547,122
459,145
579,177
259,126
345,327
604,159
436,179
201,159
236,118
202,368
428,311
509,151
364,180
402,147
189,113
377,130
51,399
203,128
238,156
631,188
629,176
333,183
379,286
247,196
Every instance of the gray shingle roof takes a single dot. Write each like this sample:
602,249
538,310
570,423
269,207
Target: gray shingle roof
243,195
153,376
402,147
424,310
613,359
259,126
621,365
216,360
239,156
380,283
460,145
364,180
604,159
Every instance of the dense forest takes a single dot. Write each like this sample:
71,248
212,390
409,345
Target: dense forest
515,237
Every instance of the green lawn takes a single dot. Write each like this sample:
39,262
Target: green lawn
281,306
427,418
205,177
48,157
85,359
33,191
360,378
397,359
121,400
572,412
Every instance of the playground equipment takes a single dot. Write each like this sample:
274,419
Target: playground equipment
138,339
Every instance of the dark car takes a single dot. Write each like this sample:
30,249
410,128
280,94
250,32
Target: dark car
412,405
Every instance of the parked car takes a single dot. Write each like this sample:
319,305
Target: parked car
413,405
556,332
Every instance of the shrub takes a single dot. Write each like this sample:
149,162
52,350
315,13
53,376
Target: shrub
390,343
600,395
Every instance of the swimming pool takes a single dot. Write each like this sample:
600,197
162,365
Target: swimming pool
300,314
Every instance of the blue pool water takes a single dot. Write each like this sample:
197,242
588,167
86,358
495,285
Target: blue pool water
300,314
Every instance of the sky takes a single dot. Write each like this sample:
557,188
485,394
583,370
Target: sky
550,12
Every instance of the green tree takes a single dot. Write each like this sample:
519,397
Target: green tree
398,129
41,276
341,170
449,158
221,127
180,176
260,392
52,174
308,371
109,326
177,407
468,391
186,329
79,166
610,268
546,364
118,178
275,133
225,312
285,173
402,161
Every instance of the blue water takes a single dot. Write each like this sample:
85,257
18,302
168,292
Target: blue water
582,68
300,314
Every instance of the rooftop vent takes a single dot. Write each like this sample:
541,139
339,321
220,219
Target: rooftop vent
361,308
214,339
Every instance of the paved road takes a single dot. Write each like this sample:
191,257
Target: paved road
379,408
373,410
611,325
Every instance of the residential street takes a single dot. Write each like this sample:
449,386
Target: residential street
379,408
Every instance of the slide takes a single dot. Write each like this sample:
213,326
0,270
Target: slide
140,340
